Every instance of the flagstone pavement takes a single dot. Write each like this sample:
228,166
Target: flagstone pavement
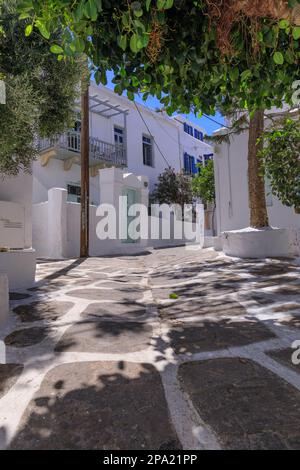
173,349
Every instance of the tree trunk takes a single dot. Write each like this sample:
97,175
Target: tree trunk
85,176
256,182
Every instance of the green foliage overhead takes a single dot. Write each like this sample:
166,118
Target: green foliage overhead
172,188
203,184
281,161
171,49
40,91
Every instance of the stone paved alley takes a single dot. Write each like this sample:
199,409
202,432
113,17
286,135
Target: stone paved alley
100,357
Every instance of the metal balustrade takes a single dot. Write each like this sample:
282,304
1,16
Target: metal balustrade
100,151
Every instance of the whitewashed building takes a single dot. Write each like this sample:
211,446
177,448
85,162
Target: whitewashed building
122,134
232,197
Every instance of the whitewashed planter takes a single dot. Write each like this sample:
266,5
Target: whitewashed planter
4,299
295,242
19,267
257,243
218,243
208,242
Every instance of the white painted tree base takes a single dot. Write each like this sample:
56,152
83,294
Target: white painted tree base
257,243
4,299
218,243
19,267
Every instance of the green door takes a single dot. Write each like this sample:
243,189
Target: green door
131,195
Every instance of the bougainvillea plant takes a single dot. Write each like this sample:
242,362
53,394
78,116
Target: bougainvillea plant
197,55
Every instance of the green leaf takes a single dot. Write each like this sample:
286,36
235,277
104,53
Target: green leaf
130,95
56,49
138,13
43,29
289,56
125,20
123,42
245,75
283,24
164,4
79,45
234,74
293,3
24,16
173,296
278,58
135,81
296,33
134,43
148,3
91,10
28,30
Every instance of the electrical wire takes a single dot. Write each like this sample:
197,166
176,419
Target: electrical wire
160,151
216,122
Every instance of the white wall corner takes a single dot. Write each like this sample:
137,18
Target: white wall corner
57,223
4,298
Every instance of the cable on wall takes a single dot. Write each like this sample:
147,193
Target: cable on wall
160,151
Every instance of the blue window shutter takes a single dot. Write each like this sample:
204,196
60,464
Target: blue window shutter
201,136
194,168
186,162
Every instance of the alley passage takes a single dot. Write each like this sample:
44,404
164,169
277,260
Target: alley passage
173,349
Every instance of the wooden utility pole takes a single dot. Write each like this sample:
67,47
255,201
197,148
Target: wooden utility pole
85,176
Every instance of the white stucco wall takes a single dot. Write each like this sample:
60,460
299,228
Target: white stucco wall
54,176
19,189
231,174
168,133
4,299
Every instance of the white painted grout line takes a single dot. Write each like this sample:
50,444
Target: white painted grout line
40,359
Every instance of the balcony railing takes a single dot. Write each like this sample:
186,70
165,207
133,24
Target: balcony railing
100,151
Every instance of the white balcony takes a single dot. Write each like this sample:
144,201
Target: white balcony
66,147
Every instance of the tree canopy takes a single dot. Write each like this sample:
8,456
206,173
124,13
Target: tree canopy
203,184
281,160
193,54
172,188
40,91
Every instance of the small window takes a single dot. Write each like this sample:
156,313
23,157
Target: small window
198,135
189,164
119,135
74,192
199,164
147,151
207,158
188,129
77,123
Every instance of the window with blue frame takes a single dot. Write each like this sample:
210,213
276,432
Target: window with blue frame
193,132
188,129
199,164
190,164
198,135
207,158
